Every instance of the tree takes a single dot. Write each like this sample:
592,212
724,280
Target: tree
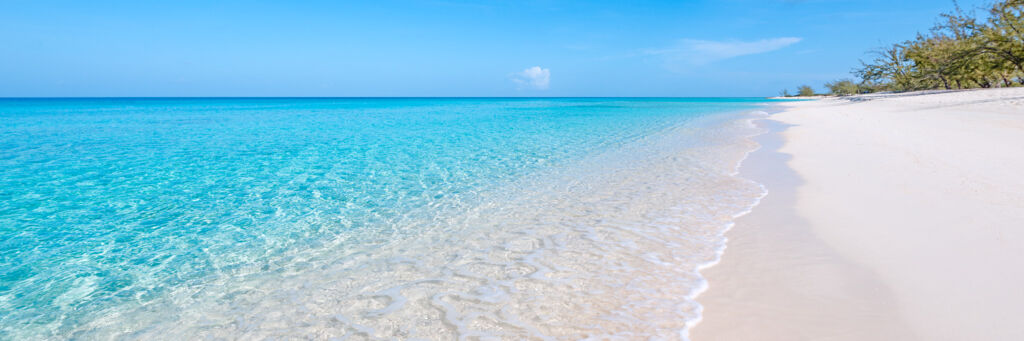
805,90
1004,34
891,67
959,52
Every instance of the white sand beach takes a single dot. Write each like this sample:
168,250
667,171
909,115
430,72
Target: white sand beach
889,217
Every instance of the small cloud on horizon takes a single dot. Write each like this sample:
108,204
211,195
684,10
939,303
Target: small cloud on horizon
536,78
692,52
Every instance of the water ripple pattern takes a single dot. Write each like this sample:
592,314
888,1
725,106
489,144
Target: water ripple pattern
364,219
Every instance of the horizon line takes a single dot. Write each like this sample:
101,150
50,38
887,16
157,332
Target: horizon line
356,97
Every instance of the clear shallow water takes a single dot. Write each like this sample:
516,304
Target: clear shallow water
363,218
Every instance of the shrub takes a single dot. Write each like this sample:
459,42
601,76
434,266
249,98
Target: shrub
805,90
843,87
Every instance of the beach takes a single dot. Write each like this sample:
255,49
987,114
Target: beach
888,217
883,217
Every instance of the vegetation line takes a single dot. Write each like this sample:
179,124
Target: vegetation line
961,51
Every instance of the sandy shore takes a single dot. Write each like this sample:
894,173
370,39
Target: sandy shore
889,217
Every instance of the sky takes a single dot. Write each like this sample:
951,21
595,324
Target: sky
683,48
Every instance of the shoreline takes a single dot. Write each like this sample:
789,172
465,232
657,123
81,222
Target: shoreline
701,268
804,264
741,297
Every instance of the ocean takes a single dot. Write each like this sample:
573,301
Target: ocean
365,218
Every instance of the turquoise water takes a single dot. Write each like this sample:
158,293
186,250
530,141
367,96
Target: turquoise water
138,218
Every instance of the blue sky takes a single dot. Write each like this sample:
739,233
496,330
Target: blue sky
443,47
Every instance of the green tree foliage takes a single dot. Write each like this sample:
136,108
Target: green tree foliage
961,51
805,90
1003,37
843,87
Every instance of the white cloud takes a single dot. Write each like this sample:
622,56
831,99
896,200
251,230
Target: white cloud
691,52
536,77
